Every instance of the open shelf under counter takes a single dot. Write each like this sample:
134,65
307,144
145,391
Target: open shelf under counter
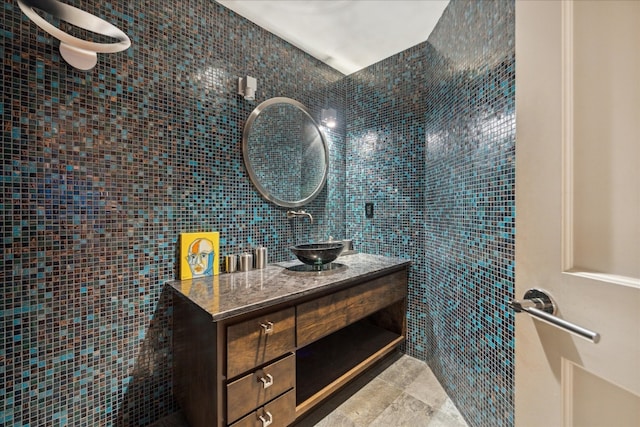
328,364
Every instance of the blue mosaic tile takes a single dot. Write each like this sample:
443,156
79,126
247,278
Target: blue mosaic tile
101,172
430,141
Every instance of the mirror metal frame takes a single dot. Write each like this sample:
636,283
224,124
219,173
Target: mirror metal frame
253,176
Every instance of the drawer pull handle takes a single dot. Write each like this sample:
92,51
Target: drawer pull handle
267,381
266,421
268,328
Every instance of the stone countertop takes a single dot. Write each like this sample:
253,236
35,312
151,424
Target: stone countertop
231,294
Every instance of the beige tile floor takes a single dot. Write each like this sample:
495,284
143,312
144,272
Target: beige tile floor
401,391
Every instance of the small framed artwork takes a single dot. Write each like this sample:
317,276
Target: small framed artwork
199,254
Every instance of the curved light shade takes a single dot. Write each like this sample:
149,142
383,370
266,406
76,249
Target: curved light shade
81,54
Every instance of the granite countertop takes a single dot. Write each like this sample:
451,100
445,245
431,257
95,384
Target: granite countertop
232,294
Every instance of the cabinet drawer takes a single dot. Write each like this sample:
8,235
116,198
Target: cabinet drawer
259,340
281,412
322,316
247,393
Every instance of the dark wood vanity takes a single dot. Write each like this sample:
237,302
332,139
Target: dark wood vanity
266,347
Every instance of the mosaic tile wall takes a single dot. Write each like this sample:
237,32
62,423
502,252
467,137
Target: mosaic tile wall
102,170
430,142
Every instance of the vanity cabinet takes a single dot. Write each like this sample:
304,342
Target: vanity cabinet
270,364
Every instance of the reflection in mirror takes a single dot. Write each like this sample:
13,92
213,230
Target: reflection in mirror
285,152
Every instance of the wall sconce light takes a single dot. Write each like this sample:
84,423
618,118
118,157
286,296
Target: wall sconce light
328,117
247,87
79,53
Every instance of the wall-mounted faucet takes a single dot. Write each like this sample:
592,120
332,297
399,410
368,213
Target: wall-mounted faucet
295,214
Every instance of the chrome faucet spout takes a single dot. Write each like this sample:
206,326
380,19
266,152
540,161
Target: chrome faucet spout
295,214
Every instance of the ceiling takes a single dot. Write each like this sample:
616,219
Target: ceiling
347,35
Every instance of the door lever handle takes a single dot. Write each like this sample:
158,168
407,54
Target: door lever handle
539,304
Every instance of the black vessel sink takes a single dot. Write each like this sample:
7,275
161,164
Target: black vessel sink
317,254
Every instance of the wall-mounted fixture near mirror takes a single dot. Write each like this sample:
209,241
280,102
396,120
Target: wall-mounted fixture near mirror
285,153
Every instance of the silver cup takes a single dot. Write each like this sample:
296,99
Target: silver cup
230,263
260,260
246,262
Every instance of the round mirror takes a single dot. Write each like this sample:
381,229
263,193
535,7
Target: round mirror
285,152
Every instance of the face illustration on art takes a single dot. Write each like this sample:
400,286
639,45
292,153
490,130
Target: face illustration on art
200,257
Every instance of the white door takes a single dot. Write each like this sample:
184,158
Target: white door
578,210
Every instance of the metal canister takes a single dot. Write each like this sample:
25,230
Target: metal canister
230,263
260,259
246,261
